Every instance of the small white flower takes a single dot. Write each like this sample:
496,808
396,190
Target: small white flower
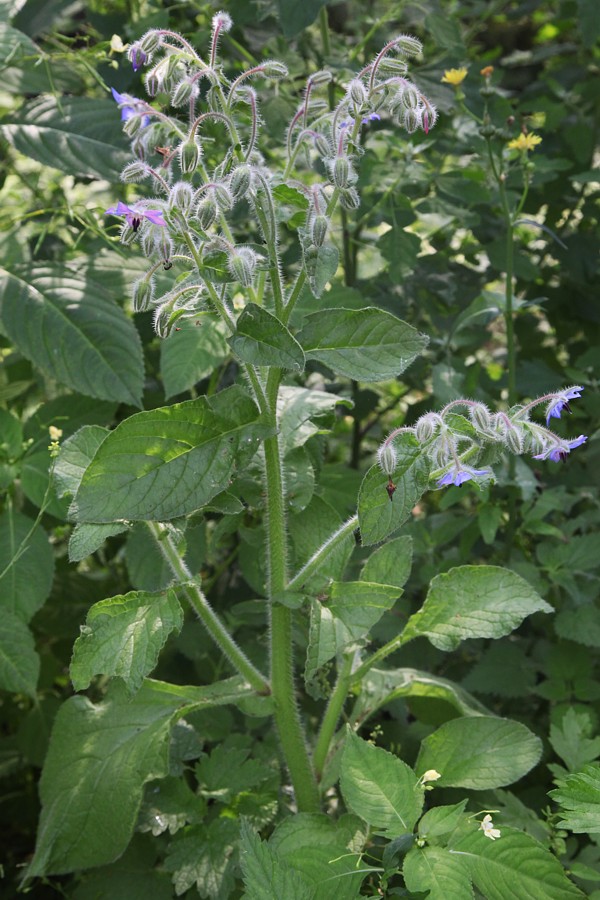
487,826
430,775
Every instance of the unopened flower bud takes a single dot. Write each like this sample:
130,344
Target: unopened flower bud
207,213
408,45
189,156
410,98
411,120
181,197
342,173
391,66
480,417
150,42
153,83
426,427
241,179
322,145
142,294
349,198
272,68
183,92
514,440
223,196
135,171
242,264
164,319
318,229
137,56
133,125
321,77
357,92
163,244
387,459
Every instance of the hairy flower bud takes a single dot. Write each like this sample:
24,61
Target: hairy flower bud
223,196
480,417
387,459
181,197
410,98
426,427
189,156
318,226
272,68
242,264
408,45
240,181
135,171
321,77
322,145
165,317
207,213
342,173
143,293
150,42
183,92
515,440
153,83
349,198
133,124
391,66
411,120
357,92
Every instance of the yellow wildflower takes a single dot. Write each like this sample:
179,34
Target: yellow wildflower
525,142
455,76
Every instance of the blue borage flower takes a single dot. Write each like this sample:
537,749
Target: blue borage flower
460,473
559,452
131,106
561,401
137,56
135,214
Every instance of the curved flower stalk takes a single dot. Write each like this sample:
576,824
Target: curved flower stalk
450,441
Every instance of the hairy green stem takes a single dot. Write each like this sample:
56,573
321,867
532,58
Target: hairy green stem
332,714
314,563
376,657
195,597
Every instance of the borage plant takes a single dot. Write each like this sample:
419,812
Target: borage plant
241,465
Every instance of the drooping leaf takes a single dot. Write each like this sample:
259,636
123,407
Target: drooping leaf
26,565
473,602
73,331
479,752
302,413
79,136
262,340
123,636
579,800
379,787
438,871
19,663
379,516
170,461
191,354
514,865
365,344
321,264
87,537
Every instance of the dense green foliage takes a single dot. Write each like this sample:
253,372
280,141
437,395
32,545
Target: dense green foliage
238,658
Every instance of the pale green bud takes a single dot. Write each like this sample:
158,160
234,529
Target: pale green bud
387,459
189,156
241,179
408,45
318,227
142,294
135,171
150,42
272,68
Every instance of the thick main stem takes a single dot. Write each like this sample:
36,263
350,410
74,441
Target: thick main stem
289,726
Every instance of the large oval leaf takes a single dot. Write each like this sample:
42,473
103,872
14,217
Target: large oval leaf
73,331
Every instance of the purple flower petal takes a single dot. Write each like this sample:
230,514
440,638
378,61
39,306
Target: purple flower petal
155,216
458,476
561,401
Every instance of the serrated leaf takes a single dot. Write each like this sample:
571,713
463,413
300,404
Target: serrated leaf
26,565
169,461
479,752
436,870
79,136
262,340
123,637
514,867
191,354
365,344
379,516
202,855
579,800
75,455
19,663
581,624
570,740
87,538
170,804
266,877
390,564
473,602
326,637
379,787
73,331
359,604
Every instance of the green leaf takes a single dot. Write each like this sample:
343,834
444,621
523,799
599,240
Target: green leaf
73,331
473,602
191,354
581,624
262,340
169,803
96,754
297,410
441,820
379,516
295,17
299,479
479,752
169,461
266,877
359,604
79,136
436,870
133,877
390,564
379,787
19,663
75,455
327,636
570,740
579,800
325,852
365,344
309,529
23,68
228,771
11,442
514,867
321,264
204,855
380,687
123,636
290,196
26,565
86,538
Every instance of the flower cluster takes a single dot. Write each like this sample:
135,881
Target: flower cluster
452,442
187,221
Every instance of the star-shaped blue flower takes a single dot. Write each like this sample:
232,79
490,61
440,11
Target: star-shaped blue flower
561,401
459,474
130,106
559,452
